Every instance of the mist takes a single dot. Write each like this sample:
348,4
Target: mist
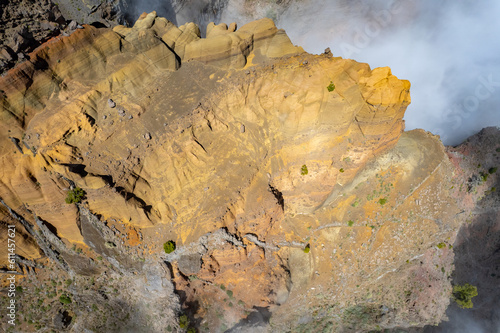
179,12
448,50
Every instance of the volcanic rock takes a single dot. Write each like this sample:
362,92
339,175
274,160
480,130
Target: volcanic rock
284,179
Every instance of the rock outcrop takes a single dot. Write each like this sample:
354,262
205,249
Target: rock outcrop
286,181
25,24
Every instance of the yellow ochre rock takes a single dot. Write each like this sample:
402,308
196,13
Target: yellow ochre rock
276,172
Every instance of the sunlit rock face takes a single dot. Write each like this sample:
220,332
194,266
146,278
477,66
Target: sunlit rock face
285,179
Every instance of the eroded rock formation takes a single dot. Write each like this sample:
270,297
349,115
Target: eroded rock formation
285,179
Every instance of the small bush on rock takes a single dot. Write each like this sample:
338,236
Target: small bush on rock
64,299
169,247
303,170
75,195
463,295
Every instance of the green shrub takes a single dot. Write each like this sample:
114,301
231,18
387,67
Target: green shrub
64,299
484,176
307,248
492,170
382,201
183,321
169,247
441,245
331,87
350,223
75,195
341,170
463,295
303,170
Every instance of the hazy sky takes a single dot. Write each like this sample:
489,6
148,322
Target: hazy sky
449,50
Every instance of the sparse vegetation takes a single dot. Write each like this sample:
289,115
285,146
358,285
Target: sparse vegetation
169,246
463,295
75,195
303,170
361,317
64,299
484,176
331,87
183,321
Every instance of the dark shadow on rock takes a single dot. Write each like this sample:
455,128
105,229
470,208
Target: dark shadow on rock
79,169
279,197
255,322
81,265
62,320
51,227
191,308
477,262
98,25
96,240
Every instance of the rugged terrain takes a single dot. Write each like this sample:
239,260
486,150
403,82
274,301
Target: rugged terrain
294,197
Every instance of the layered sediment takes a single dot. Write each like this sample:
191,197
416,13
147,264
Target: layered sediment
285,179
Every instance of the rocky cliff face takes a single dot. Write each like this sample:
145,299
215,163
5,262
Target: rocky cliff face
24,24
295,199
477,246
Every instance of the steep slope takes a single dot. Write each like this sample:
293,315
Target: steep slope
477,254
